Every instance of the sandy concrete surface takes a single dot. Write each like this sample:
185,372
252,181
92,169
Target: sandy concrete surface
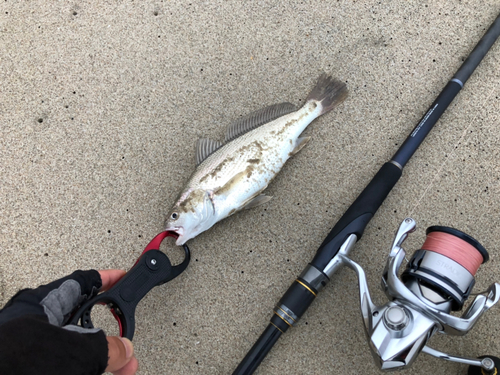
100,107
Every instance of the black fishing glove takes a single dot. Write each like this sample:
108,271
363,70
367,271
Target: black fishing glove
34,337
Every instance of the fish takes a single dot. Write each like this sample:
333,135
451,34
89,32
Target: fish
231,175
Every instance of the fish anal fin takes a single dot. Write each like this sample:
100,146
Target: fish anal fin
257,201
205,147
257,118
301,142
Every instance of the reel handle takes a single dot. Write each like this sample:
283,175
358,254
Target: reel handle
151,269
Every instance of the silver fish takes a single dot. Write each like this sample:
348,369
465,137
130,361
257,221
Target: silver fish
230,176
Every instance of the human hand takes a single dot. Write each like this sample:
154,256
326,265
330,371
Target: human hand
34,337
121,359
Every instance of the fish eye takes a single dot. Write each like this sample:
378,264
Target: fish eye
174,215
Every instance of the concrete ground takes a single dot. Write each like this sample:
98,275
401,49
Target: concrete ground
100,106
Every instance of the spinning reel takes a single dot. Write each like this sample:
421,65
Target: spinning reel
438,279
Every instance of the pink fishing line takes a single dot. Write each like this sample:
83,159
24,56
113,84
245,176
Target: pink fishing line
454,248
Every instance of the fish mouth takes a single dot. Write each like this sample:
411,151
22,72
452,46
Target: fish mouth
179,232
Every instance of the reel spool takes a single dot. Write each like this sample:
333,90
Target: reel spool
438,279
443,270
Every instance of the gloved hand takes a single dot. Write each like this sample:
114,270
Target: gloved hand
34,337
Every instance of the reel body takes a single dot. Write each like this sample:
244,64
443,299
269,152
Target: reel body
435,282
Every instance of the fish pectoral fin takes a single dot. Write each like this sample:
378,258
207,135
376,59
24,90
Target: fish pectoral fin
205,147
257,201
301,142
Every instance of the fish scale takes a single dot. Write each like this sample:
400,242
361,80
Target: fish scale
272,153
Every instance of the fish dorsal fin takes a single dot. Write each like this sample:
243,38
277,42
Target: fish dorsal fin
205,147
258,118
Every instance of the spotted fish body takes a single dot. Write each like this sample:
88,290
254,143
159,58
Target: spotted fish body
232,175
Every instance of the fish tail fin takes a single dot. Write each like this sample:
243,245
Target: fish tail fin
329,92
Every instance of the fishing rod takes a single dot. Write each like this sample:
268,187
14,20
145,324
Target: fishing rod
349,229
